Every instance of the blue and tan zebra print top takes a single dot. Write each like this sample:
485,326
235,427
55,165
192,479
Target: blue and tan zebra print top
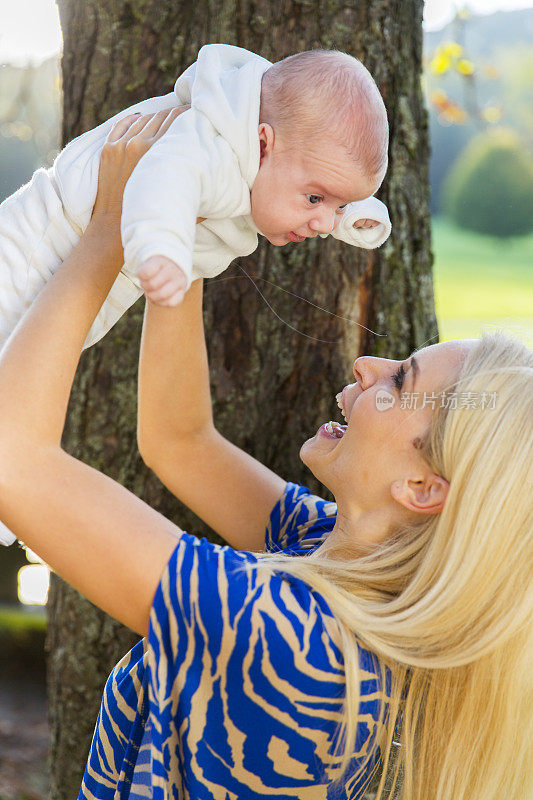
237,692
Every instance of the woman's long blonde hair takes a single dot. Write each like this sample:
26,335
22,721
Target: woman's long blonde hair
448,605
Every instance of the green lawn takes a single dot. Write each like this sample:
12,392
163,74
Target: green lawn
16,620
482,283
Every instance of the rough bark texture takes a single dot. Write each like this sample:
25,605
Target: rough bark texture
272,387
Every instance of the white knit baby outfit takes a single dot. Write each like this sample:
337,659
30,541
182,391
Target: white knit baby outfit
203,166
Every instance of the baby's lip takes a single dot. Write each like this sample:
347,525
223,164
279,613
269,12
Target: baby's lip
295,237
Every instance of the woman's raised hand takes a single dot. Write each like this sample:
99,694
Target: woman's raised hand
130,138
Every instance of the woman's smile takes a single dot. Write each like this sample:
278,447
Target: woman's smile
332,429
345,401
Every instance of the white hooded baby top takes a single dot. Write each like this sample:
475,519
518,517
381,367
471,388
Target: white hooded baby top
203,166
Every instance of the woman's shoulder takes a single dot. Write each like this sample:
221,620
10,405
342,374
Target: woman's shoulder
299,521
234,602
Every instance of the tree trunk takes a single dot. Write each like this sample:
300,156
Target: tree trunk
272,386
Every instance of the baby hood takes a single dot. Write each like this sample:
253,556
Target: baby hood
224,84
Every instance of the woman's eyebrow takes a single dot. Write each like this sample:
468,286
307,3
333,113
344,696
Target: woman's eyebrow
416,370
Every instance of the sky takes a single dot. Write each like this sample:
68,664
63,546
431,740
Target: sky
29,29
439,12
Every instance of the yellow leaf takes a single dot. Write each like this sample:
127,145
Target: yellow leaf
440,64
454,114
465,67
452,49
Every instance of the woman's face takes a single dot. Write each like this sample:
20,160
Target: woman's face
366,462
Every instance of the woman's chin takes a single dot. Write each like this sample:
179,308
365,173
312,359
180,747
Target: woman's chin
310,454
306,453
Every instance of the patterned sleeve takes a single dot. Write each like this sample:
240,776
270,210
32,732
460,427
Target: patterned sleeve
247,683
299,521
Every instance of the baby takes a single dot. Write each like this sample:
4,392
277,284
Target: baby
321,142
288,150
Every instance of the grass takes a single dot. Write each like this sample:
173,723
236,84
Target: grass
16,620
482,282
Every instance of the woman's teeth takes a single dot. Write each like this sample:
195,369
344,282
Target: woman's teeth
338,398
334,429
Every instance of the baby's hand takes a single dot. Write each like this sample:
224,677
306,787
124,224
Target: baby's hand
162,281
365,223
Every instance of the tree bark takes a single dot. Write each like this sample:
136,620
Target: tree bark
272,386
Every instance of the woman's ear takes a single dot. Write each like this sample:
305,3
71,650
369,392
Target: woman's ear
266,139
426,495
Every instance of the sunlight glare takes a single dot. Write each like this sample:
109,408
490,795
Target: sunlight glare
29,31
33,582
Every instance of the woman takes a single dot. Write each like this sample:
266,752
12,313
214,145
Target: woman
260,672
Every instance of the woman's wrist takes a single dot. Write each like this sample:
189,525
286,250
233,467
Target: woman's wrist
103,233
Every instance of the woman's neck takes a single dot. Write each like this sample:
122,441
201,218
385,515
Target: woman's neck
356,532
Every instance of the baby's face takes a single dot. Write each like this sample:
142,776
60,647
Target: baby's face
299,194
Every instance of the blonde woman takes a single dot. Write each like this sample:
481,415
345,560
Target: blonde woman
403,610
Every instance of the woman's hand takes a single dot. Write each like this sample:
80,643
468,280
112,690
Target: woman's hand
130,138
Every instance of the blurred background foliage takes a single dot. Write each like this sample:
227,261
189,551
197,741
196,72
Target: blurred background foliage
489,188
478,80
478,76
30,114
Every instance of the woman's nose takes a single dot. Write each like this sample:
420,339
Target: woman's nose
367,369
362,371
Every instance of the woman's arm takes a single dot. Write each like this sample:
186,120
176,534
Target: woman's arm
94,533
224,486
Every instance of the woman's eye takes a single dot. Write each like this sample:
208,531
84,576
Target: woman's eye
341,208
399,377
314,198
